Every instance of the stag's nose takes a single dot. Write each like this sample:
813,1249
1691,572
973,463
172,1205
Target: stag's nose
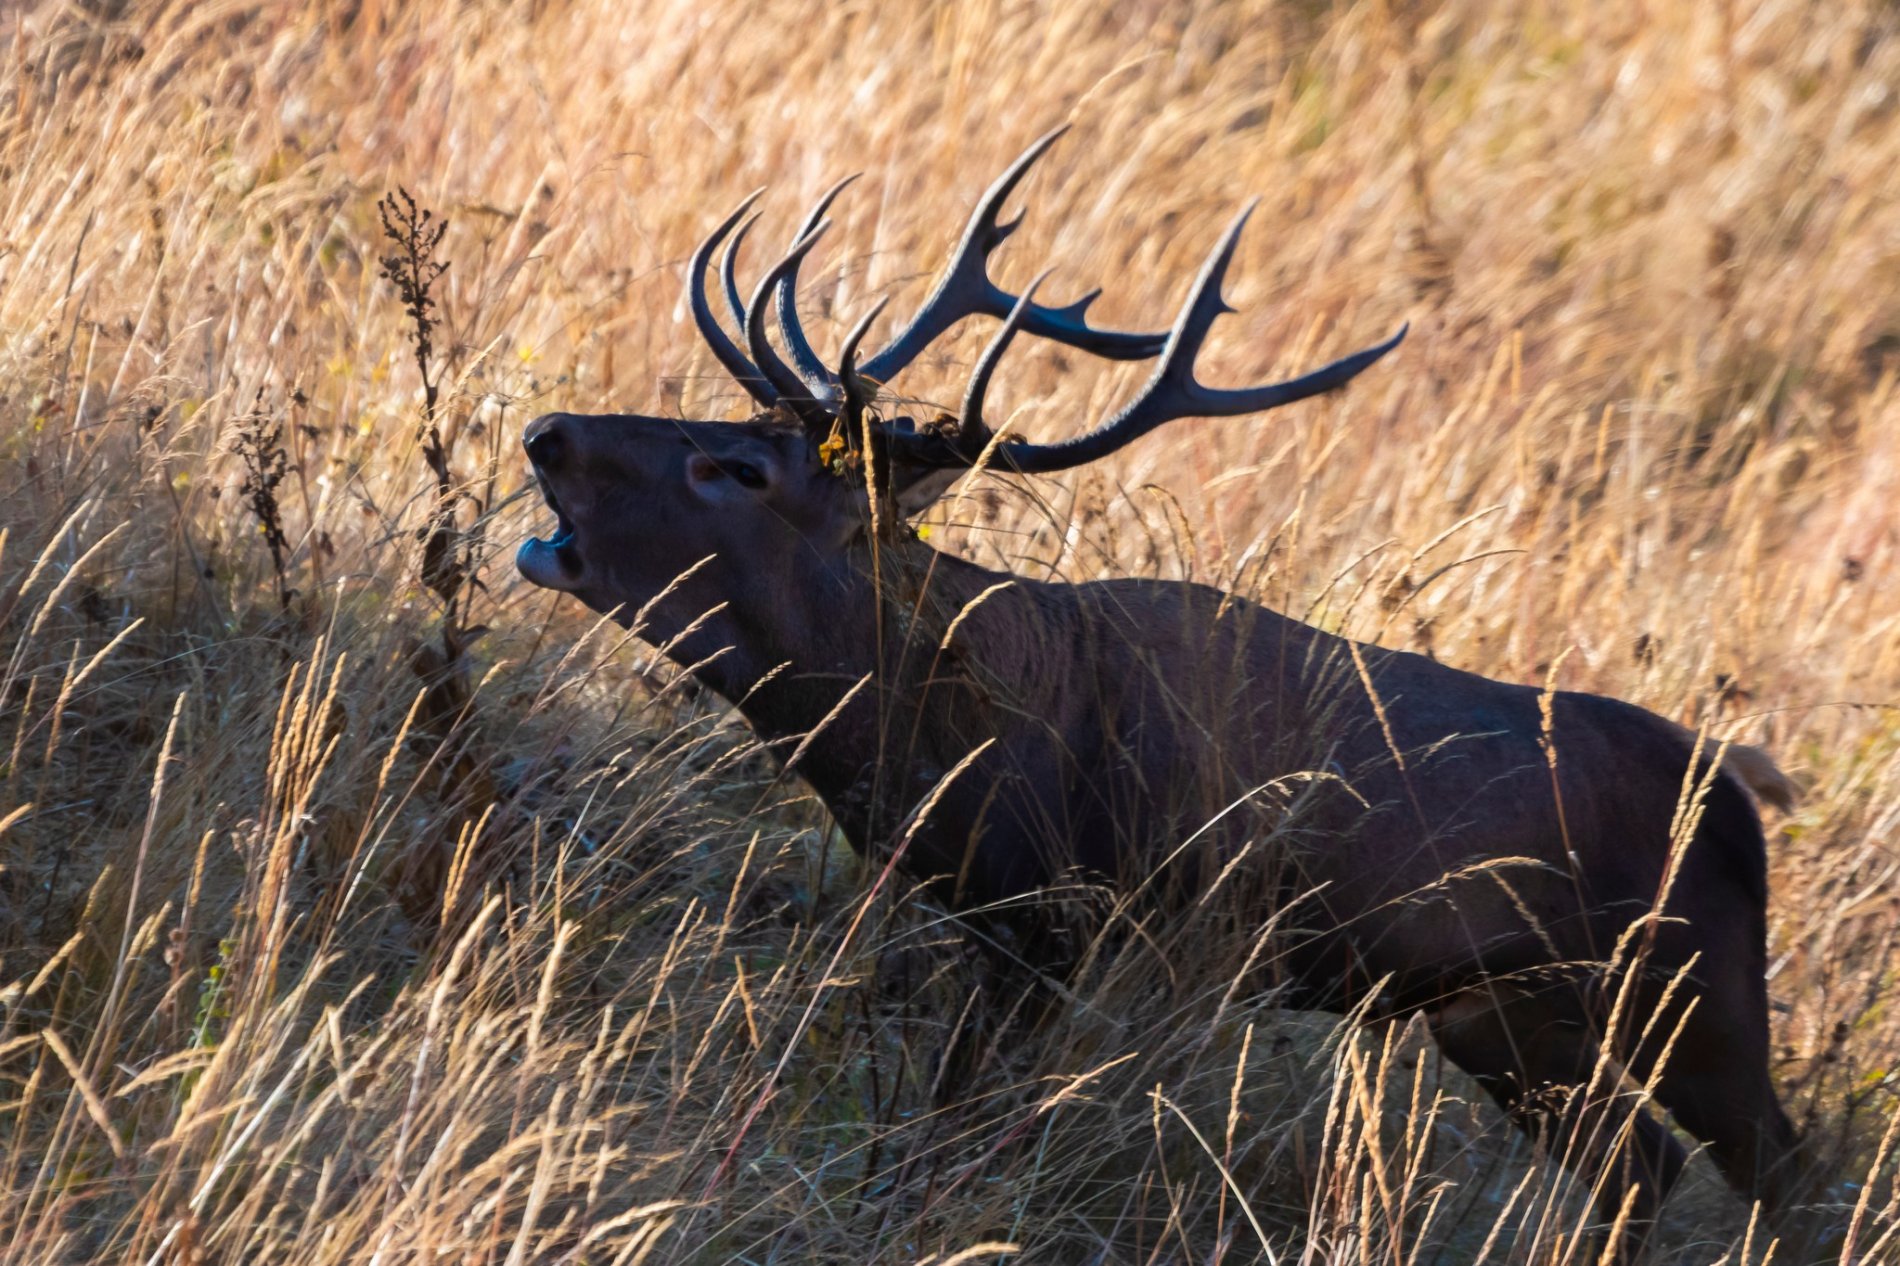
545,442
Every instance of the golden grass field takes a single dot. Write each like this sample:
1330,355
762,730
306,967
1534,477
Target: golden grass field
302,967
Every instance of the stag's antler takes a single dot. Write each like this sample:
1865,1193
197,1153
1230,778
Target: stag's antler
1172,393
821,399
743,371
851,386
729,270
973,433
817,378
964,289
766,378
792,390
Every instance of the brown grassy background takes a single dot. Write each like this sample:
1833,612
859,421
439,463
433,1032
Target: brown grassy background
573,979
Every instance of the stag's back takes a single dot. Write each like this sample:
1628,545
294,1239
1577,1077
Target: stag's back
1450,825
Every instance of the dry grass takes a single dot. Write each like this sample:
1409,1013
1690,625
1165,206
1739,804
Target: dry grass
308,967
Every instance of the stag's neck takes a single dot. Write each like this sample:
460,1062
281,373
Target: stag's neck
891,685
869,623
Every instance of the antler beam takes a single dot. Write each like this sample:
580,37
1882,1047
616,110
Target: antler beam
1171,394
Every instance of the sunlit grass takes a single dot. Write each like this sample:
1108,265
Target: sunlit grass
301,965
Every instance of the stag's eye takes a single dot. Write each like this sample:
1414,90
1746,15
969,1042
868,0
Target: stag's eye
748,475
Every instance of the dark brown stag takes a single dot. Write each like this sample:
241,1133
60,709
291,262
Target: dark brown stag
1538,873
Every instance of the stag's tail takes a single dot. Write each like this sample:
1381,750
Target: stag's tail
1757,771
1754,769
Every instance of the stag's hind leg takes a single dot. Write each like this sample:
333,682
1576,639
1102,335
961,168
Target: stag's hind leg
1536,1055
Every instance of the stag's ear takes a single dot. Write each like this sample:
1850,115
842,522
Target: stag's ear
917,491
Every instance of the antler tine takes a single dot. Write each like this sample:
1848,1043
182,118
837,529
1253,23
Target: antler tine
965,289
973,434
729,272
816,374
1174,392
816,216
813,371
851,386
742,370
792,391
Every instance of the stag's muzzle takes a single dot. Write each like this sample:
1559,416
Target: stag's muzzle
553,562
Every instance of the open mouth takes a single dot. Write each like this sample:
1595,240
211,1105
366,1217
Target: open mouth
552,561
563,526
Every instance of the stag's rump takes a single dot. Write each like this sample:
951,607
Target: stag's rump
1506,830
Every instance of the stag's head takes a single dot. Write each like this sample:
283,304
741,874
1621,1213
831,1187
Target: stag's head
748,506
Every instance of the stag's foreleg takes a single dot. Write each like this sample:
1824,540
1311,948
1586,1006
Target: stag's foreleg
1717,1087
1537,1055
1715,1077
1715,1082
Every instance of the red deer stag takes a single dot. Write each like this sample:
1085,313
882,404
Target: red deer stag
1478,846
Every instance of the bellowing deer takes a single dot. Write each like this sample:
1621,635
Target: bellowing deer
1476,849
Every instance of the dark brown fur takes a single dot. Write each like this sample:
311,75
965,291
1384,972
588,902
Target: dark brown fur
1447,859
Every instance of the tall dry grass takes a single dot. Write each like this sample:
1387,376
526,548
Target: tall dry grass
311,961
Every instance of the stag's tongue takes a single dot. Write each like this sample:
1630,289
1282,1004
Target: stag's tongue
552,564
